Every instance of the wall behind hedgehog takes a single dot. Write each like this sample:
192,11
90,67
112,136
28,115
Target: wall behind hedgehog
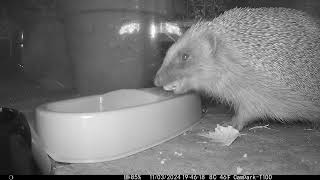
38,44
80,44
117,44
44,56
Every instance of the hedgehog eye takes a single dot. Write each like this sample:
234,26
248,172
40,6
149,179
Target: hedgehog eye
185,57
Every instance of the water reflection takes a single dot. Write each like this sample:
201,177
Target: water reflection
129,28
154,29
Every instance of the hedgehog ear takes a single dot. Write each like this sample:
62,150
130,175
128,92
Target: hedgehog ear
213,41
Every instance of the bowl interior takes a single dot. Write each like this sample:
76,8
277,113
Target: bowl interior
114,100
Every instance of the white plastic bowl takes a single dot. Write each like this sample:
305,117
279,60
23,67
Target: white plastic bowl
113,125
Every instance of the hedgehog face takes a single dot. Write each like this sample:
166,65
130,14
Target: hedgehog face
188,65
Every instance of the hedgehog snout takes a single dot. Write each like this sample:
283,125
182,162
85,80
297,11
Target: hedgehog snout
157,80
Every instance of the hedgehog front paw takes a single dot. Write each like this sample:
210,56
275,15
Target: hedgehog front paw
235,123
228,123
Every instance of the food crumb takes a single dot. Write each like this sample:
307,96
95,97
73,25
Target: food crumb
223,135
239,170
163,161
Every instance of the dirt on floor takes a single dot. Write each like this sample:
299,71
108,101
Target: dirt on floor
273,149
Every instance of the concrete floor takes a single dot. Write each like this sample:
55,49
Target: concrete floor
281,149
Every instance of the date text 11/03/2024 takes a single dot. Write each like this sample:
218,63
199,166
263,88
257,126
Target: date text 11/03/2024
198,177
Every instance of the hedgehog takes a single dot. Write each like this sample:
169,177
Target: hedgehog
263,62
